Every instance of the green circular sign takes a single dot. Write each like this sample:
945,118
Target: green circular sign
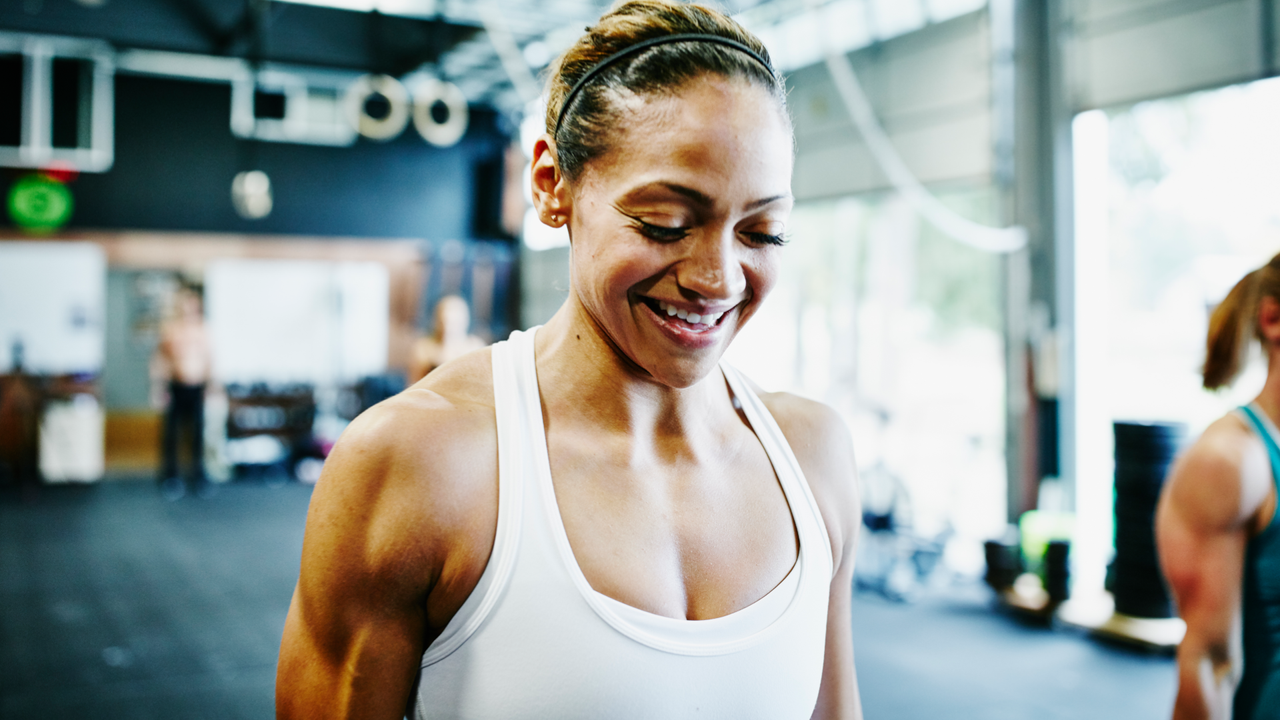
38,203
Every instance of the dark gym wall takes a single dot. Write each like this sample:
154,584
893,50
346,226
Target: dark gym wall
175,158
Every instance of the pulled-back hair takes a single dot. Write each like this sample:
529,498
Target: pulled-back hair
1235,321
584,132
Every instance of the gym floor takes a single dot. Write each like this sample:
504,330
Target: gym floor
115,603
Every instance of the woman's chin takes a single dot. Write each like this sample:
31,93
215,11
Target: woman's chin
681,373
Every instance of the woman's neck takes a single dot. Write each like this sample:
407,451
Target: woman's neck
1269,398
582,373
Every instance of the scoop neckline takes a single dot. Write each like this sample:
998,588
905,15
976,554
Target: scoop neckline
713,636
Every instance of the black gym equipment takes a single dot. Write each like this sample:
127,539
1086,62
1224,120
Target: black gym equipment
1144,452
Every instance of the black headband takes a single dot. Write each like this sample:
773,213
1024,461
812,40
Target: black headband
662,40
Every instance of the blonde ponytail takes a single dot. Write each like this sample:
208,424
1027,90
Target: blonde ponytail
1227,337
1234,321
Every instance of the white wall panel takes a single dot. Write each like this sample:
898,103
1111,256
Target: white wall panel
931,90
1101,10
935,69
293,321
1175,54
52,298
957,149
1275,36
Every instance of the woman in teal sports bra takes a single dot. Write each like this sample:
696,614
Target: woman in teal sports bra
1216,526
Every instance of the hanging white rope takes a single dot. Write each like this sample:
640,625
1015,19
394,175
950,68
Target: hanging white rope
955,226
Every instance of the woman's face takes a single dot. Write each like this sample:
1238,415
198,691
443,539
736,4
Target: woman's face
677,229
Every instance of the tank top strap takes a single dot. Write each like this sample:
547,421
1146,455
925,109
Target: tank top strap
805,511
1270,438
1258,692
508,406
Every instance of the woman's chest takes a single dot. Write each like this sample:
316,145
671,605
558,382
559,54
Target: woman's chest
690,536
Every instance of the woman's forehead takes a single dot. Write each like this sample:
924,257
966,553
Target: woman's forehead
713,129
709,95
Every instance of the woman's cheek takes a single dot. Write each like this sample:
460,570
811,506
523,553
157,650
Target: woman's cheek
762,275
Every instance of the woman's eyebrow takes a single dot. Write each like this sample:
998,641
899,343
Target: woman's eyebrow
698,197
765,201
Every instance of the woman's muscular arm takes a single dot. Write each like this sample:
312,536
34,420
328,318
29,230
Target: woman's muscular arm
1203,524
824,448
398,533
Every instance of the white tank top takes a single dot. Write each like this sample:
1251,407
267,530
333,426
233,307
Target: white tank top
534,640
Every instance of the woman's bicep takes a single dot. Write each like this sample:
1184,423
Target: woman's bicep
347,662
838,696
833,474
355,630
1201,539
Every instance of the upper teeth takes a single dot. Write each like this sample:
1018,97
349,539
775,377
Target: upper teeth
695,318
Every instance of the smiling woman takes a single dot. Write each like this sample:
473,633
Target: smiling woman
597,517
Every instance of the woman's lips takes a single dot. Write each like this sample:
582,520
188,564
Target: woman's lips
694,330
692,318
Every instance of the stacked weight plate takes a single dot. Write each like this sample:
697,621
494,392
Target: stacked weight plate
1144,452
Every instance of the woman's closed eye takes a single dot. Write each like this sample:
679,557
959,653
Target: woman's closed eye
666,234
767,239
661,233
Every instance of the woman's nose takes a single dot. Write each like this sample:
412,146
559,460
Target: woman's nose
713,269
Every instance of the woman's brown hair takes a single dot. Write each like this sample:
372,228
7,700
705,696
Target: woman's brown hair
584,132
1235,321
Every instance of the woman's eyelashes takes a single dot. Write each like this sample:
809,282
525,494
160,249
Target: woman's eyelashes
662,233
767,239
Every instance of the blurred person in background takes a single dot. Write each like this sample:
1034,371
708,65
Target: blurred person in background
20,423
450,339
180,372
597,518
1218,538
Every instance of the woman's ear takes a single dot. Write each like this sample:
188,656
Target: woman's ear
1269,320
550,190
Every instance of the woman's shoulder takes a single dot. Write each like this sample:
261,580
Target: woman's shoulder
1221,450
433,446
1215,481
406,503
810,426
820,440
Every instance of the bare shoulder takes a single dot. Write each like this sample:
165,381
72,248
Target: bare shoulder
815,432
436,425
398,532
1205,486
415,475
823,446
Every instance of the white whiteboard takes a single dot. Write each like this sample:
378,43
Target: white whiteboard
52,299
286,321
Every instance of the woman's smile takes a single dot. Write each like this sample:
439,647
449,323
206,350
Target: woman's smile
692,329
